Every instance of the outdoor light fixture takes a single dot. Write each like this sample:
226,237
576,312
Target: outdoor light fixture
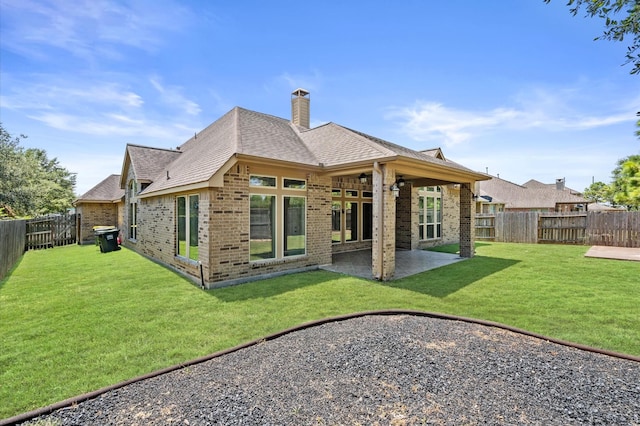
401,182
395,189
363,178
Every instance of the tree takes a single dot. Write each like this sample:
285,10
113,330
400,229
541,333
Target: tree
621,18
30,183
599,192
626,182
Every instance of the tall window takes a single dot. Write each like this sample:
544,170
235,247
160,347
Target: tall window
133,211
133,221
336,222
295,213
262,228
187,208
348,222
367,221
430,212
277,218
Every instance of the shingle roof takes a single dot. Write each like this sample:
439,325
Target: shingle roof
250,133
519,196
148,162
107,191
337,145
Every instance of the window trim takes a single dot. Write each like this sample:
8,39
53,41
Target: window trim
187,214
436,193
275,178
279,226
288,188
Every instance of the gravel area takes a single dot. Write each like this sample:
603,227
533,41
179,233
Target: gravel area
387,370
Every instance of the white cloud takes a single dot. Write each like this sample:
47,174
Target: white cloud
538,109
99,108
87,28
171,95
426,121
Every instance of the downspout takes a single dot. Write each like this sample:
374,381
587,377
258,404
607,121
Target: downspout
202,285
380,271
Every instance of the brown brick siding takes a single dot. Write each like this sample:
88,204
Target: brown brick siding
223,236
96,214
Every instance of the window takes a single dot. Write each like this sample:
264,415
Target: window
133,211
266,181
276,232
346,216
294,184
350,221
187,209
336,222
430,213
295,211
367,221
262,219
133,221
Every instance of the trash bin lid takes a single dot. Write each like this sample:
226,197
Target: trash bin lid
105,229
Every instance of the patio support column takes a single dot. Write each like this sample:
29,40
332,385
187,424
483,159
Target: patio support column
383,245
467,238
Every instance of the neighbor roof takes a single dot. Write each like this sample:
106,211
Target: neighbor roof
520,196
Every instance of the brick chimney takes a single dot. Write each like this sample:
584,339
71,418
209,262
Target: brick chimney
300,111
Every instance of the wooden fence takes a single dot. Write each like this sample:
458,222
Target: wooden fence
12,244
620,229
51,231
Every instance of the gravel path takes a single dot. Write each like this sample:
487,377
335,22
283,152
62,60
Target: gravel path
387,370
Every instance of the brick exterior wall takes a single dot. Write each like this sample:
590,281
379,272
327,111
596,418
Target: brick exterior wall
224,226
406,217
223,234
97,214
467,220
383,252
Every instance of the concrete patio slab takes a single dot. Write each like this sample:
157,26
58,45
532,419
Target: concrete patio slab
620,253
408,262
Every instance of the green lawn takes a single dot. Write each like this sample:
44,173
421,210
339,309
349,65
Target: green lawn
74,320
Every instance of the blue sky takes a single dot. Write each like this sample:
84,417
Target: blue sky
518,88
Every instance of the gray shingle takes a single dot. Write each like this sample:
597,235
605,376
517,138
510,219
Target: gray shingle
107,191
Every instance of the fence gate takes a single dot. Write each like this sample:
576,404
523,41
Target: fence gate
51,231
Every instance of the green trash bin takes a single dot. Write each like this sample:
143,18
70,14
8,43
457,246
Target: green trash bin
107,239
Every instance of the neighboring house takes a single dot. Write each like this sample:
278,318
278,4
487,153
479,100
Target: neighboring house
254,195
497,195
102,205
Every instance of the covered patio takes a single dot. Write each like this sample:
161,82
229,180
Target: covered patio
408,262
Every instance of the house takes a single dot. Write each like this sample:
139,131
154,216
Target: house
253,195
497,195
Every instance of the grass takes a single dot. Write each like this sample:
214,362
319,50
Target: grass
74,320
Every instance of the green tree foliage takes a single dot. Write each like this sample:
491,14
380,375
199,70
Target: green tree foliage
621,18
30,183
626,183
599,192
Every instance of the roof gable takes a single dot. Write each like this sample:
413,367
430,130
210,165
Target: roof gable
107,191
147,162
